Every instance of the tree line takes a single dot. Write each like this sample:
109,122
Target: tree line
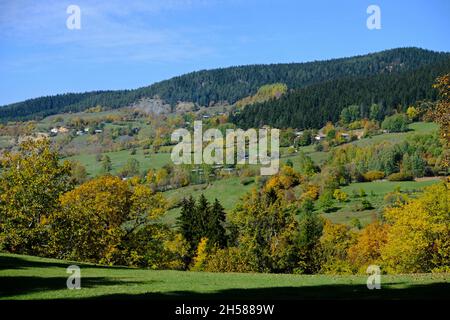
108,220
315,105
231,84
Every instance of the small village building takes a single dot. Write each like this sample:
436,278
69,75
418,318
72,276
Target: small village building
319,137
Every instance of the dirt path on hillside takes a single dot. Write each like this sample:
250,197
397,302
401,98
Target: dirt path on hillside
429,178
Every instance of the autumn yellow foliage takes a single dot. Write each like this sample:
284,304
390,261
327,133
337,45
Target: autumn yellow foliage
201,255
334,243
96,217
419,237
367,249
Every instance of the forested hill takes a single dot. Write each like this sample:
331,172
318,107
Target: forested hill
230,84
313,106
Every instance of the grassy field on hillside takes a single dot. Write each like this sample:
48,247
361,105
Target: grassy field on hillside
228,191
25,277
156,161
320,156
375,192
383,186
396,137
317,156
120,158
59,119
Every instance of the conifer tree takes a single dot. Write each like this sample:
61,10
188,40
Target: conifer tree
186,221
216,231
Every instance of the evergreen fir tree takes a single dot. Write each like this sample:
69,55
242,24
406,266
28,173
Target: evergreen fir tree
203,213
186,221
216,231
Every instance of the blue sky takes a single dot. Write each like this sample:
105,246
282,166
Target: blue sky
129,44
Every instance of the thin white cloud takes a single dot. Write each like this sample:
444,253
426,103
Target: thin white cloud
109,30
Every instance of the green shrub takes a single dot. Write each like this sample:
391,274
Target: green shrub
362,193
373,175
356,223
358,124
396,123
318,147
340,195
246,181
364,205
228,260
355,194
400,176
325,201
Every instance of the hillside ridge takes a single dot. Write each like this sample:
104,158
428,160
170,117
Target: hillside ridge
208,87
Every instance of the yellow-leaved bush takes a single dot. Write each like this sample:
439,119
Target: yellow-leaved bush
419,237
107,220
201,255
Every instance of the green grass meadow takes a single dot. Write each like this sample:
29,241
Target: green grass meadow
28,278
375,192
396,137
120,158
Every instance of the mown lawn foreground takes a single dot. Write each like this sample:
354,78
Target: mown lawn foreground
26,277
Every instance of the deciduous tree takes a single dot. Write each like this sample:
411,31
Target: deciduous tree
31,182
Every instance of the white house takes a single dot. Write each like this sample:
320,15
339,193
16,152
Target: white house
319,137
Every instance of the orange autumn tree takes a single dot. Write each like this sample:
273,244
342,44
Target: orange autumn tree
285,179
367,249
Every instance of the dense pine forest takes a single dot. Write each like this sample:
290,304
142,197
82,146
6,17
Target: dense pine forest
232,84
315,105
